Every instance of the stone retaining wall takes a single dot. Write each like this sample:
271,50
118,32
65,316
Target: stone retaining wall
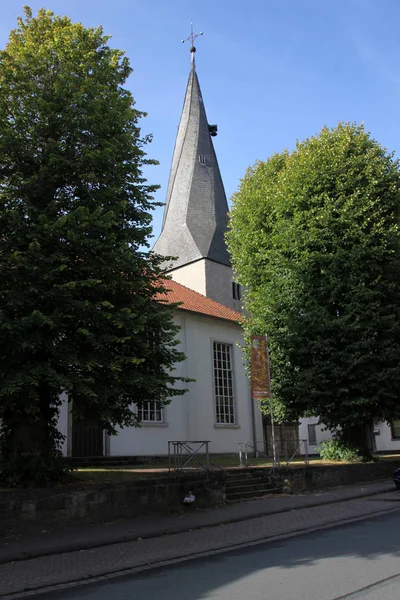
312,478
96,503
63,506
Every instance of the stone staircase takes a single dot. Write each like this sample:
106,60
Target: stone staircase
245,485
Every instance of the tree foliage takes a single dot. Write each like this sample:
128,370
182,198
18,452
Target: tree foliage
77,295
314,236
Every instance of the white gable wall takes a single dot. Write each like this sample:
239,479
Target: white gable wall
192,276
192,416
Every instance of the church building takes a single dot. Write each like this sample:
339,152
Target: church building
218,407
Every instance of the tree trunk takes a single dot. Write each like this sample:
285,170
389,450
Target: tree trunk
29,445
359,437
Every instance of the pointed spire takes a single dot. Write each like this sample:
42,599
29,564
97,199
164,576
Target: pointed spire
196,211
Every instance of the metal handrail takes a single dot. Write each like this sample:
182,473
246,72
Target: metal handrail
183,452
244,448
295,450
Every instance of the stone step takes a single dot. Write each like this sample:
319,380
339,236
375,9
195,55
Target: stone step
235,484
250,494
245,481
261,485
242,477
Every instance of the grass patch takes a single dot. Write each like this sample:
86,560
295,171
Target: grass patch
127,473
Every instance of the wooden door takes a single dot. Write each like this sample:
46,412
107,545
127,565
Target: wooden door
87,439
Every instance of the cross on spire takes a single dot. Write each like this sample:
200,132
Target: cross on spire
192,38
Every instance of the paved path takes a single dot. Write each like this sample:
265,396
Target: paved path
47,571
79,538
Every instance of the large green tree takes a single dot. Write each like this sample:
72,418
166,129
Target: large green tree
314,236
77,291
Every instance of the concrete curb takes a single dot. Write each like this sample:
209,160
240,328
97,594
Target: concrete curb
109,540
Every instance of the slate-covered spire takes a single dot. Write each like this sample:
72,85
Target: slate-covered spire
196,211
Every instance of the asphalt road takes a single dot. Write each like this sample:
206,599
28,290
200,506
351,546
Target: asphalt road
351,562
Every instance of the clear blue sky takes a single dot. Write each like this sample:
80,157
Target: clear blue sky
271,71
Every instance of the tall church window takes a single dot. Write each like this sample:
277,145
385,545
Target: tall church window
202,159
223,384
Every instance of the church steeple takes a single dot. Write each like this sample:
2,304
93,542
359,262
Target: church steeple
196,211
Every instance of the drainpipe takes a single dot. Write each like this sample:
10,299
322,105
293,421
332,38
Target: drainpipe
253,421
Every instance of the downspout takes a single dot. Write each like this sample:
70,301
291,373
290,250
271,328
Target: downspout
253,422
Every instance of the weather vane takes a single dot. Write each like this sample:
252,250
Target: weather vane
191,38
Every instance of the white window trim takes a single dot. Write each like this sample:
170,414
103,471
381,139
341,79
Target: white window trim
217,424
314,425
161,423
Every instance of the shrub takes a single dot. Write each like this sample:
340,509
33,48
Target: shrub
337,450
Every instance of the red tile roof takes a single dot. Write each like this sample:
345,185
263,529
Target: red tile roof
195,302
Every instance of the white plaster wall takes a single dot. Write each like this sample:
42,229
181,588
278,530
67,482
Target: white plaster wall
322,433
201,332
384,441
192,276
152,439
192,416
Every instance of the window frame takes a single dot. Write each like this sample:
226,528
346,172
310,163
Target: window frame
393,428
313,427
217,423
156,408
236,291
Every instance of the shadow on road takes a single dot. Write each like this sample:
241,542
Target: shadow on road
264,571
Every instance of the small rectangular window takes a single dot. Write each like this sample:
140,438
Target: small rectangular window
151,412
312,434
202,159
395,429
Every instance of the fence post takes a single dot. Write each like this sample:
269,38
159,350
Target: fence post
306,451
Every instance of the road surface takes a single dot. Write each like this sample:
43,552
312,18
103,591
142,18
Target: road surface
360,561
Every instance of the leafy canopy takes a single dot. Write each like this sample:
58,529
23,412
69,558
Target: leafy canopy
77,298
314,236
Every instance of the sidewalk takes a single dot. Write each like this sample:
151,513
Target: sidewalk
92,536
53,572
